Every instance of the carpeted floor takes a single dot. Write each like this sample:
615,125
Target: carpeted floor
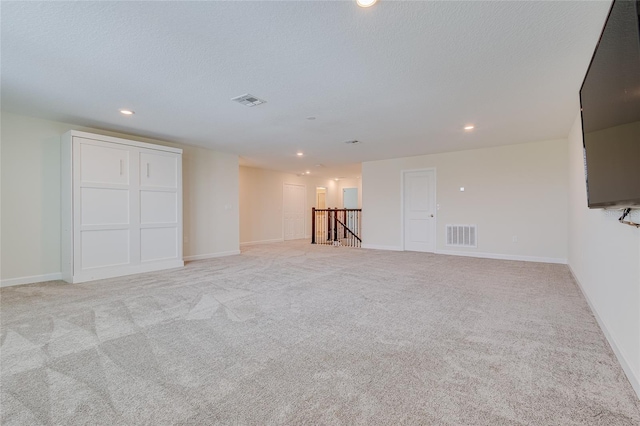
292,333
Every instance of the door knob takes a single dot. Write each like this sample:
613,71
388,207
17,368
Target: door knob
431,215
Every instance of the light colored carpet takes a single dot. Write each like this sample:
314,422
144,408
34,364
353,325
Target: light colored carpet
292,333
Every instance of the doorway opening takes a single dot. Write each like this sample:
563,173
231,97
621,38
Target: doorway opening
321,197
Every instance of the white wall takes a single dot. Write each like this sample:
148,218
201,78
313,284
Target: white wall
604,257
30,198
516,190
261,193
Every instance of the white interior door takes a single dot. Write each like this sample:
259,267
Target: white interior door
294,211
321,203
103,190
350,201
350,198
160,207
419,201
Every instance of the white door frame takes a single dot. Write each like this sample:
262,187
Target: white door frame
305,208
435,221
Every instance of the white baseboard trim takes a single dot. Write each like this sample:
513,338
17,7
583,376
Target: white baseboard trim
95,274
31,280
504,256
252,243
475,254
211,255
378,247
622,359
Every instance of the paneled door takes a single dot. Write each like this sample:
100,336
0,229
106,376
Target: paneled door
350,201
104,187
160,206
419,210
294,206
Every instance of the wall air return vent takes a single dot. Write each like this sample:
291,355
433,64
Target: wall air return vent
462,235
249,100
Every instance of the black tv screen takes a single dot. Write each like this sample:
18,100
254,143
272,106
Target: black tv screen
610,105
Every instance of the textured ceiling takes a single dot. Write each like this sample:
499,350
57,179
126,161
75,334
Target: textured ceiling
403,77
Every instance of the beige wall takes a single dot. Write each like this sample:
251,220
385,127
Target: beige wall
30,198
261,193
516,190
604,256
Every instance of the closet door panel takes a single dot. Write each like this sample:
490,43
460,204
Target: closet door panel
103,165
102,248
101,206
158,170
158,243
158,207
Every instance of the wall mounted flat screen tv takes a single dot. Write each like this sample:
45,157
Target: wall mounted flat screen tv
610,105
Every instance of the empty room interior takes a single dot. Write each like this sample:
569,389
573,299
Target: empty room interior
320,212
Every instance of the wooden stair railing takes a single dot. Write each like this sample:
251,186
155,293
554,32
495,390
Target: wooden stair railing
347,229
336,227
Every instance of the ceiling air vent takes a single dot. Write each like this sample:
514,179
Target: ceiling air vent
462,235
249,100
352,142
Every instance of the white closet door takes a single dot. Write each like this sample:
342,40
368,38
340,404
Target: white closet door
158,170
160,206
103,191
100,164
294,201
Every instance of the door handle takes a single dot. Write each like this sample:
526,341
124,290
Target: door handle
431,215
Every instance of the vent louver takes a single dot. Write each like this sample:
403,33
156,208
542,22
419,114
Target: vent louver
249,100
462,235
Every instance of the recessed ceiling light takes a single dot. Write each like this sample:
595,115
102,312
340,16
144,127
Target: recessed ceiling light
127,112
366,3
307,172
336,179
470,127
299,154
